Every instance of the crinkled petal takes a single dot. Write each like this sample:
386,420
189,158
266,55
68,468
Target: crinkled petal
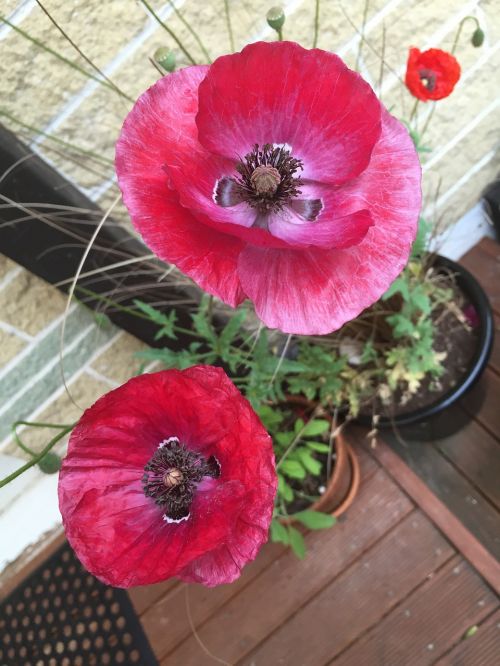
283,94
117,532
315,291
158,127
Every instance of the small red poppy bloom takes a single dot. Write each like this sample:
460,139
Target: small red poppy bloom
432,74
171,474
276,175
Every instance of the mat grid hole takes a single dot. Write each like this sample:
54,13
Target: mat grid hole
62,616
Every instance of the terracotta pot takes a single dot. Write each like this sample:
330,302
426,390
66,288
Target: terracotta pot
344,482
343,485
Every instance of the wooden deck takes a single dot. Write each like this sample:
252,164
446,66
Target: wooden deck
400,580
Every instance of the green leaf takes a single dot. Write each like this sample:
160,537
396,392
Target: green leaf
399,285
318,446
279,533
284,489
315,520
165,322
201,321
313,466
293,469
315,428
232,328
297,542
471,631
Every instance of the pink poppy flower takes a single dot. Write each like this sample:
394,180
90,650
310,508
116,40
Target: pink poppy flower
171,474
276,175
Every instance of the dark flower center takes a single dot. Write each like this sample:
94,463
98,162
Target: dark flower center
428,79
267,182
172,475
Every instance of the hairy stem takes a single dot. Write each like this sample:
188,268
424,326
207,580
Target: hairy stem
191,30
229,25
169,31
38,457
316,24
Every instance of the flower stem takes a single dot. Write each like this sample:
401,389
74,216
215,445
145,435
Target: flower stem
426,125
191,30
280,34
414,110
169,31
316,24
459,31
38,457
229,25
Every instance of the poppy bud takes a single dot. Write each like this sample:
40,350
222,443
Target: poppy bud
165,58
50,463
276,18
477,37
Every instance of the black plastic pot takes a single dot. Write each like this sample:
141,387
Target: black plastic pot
442,417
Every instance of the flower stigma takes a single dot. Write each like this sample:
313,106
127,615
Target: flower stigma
172,475
268,181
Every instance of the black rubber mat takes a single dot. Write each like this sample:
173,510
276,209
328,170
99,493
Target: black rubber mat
63,616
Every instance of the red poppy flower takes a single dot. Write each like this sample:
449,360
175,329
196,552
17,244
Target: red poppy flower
276,175
431,74
171,474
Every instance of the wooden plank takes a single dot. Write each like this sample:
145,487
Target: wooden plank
483,400
276,594
483,261
166,623
477,455
144,596
427,623
454,490
359,597
481,649
463,540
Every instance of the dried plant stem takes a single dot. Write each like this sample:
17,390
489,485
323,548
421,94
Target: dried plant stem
60,57
316,24
229,25
382,62
191,30
51,137
196,635
72,291
169,31
361,41
80,52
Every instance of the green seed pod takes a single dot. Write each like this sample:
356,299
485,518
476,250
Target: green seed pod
165,58
50,463
276,18
477,37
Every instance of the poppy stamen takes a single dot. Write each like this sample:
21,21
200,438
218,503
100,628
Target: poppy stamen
172,476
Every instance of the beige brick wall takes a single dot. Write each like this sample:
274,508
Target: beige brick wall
119,36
